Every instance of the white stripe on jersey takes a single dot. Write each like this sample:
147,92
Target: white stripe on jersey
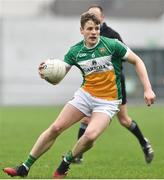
96,64
127,53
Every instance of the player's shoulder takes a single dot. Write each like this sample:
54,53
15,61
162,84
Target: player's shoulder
76,46
113,31
105,26
107,40
110,32
112,44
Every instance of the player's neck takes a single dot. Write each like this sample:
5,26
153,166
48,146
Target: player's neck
91,47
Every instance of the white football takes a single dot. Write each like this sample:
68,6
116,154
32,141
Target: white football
54,70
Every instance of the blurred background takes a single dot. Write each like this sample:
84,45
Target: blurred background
34,30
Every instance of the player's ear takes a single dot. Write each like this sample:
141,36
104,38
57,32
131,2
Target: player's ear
81,30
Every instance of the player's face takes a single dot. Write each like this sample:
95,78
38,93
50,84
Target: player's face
91,33
96,11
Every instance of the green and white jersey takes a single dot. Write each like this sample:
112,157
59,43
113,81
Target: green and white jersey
100,66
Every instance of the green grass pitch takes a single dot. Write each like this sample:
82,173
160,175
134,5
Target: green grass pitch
115,155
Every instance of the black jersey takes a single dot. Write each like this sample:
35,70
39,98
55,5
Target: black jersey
109,32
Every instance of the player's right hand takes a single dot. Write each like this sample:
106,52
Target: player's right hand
40,68
149,97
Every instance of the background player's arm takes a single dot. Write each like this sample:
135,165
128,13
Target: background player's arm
149,95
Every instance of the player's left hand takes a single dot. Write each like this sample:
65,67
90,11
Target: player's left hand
149,97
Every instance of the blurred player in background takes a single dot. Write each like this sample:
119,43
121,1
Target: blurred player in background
123,117
99,97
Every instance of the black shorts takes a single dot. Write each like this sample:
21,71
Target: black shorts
123,89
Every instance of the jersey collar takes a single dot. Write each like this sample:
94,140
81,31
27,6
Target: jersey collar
92,46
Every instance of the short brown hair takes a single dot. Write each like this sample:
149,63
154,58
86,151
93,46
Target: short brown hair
85,17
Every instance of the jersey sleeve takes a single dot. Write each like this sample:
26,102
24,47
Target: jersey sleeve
121,50
69,58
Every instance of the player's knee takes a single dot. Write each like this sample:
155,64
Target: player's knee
55,130
125,121
90,137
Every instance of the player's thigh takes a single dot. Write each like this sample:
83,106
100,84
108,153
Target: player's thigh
68,116
98,123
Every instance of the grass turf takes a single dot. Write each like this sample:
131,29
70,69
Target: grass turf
116,154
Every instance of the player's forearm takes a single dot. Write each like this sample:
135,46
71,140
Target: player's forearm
140,69
143,75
